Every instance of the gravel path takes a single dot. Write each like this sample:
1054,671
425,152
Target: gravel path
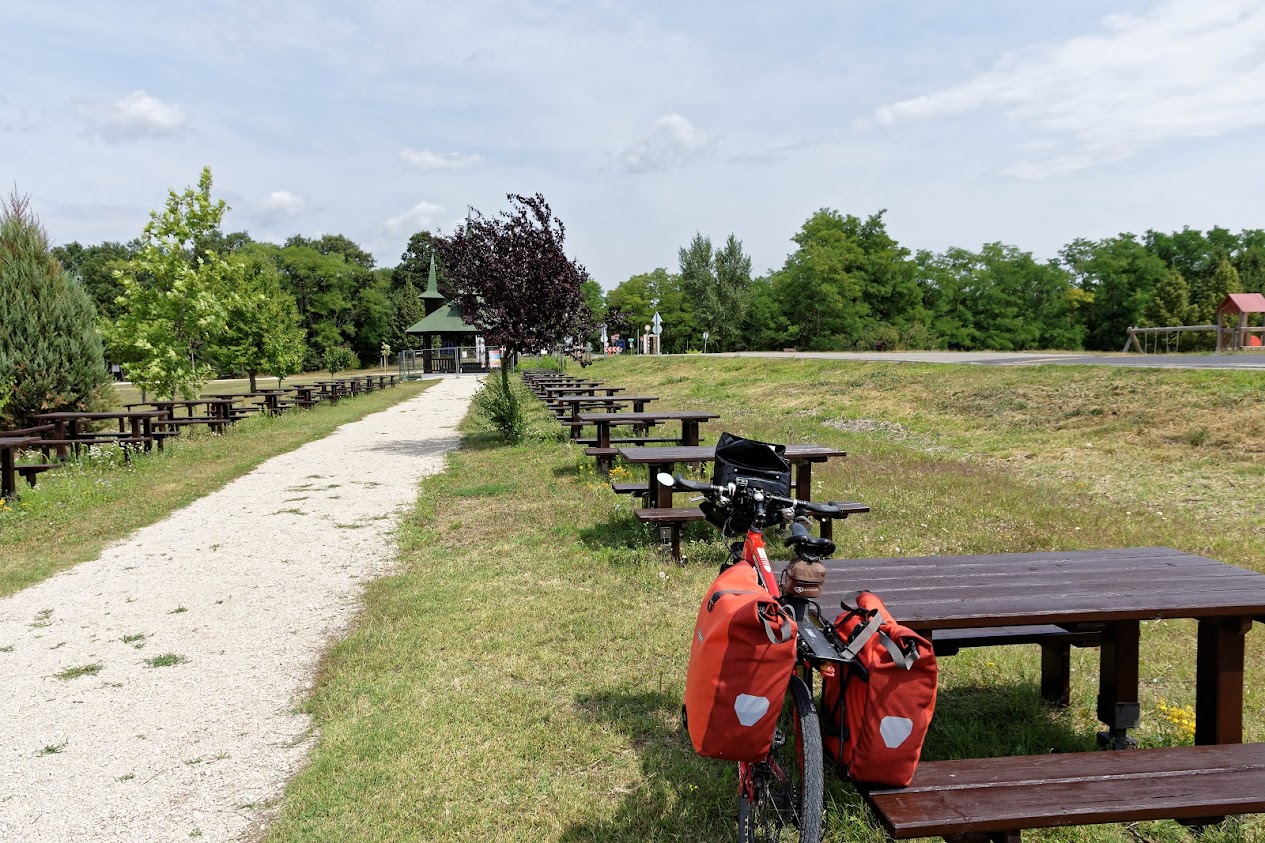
243,590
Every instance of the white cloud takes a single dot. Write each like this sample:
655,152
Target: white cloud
136,115
670,141
421,217
425,160
1187,69
282,203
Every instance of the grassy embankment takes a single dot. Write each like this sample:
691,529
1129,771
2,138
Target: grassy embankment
78,509
520,677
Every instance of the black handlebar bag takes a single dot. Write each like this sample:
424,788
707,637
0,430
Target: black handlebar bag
751,464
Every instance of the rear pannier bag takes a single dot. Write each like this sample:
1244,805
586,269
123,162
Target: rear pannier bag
741,658
746,462
876,712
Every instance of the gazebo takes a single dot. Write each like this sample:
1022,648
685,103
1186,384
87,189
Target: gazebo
1238,334
449,343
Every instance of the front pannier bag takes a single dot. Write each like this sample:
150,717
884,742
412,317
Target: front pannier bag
875,716
746,462
741,660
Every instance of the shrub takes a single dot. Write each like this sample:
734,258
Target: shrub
338,358
500,402
50,352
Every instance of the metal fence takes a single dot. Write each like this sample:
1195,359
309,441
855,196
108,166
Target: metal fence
453,360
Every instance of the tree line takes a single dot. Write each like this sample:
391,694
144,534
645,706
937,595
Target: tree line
849,285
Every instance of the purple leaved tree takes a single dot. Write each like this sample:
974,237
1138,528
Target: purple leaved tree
513,280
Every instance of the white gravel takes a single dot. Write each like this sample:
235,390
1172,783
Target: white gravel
247,586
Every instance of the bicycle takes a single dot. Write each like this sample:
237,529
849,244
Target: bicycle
782,794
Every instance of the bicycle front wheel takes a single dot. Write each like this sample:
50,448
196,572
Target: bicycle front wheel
783,803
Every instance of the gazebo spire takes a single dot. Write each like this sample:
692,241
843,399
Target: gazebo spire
432,299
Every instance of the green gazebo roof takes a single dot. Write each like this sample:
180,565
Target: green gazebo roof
446,320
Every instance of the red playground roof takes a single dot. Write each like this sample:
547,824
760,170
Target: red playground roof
1243,303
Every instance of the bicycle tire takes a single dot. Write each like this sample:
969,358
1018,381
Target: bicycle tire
787,804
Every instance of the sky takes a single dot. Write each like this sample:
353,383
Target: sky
967,121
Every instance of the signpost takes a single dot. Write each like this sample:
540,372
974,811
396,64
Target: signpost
705,335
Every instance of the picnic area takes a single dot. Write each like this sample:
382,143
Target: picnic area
969,473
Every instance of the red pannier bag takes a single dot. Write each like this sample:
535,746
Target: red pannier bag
741,658
875,714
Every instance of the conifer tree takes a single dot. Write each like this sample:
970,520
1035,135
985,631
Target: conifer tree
1170,302
50,351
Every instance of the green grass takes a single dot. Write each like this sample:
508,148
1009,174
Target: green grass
520,677
78,509
75,672
166,660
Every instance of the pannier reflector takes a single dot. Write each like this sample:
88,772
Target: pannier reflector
750,709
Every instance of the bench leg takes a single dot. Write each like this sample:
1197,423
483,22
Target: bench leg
671,535
827,528
986,837
1056,674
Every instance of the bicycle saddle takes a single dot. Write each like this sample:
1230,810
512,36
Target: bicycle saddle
811,548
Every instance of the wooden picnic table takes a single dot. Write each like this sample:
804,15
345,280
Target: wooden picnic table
9,446
571,405
218,410
1108,590
603,422
580,389
1113,588
689,419
67,426
666,459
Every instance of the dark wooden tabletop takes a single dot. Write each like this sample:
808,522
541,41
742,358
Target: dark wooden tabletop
15,442
101,416
1140,583
649,415
706,453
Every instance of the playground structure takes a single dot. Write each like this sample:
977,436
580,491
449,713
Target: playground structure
1233,334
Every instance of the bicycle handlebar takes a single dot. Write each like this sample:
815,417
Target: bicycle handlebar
731,491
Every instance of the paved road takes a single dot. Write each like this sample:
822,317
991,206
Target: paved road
1245,360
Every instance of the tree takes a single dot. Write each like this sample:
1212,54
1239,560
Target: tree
174,295
414,265
339,358
1225,280
262,329
324,287
1170,302
733,293
513,280
1119,273
821,292
96,267
50,351
335,244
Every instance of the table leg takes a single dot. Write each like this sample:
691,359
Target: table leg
8,476
1219,681
660,496
1118,682
804,481
604,462
689,433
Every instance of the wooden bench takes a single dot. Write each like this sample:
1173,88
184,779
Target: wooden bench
994,799
672,518
1056,650
32,470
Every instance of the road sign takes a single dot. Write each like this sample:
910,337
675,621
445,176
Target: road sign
657,323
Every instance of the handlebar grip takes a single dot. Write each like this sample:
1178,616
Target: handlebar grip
820,508
691,485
